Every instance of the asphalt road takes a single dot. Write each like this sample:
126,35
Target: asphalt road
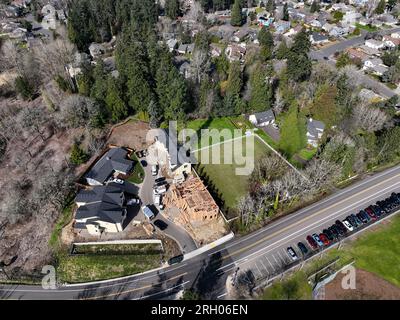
262,252
328,51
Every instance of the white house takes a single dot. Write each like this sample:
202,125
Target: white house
374,44
315,130
318,38
375,65
49,20
262,119
391,42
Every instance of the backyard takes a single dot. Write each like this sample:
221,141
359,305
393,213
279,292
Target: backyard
224,179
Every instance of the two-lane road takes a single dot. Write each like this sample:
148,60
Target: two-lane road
263,252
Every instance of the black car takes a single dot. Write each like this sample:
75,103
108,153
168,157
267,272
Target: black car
160,183
329,234
352,221
175,259
376,210
160,179
356,219
361,216
334,231
341,227
302,248
160,224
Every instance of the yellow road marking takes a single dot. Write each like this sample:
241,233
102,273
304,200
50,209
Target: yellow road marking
303,220
131,290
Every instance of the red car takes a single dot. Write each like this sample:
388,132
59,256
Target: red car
371,213
324,239
313,244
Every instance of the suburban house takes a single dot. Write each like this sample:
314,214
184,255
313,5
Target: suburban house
100,209
172,44
318,38
235,52
357,54
185,69
315,130
391,42
264,22
375,65
374,44
282,26
262,118
113,162
96,50
240,35
49,20
369,96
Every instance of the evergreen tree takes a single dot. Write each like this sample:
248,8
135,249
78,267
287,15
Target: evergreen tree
235,82
271,6
24,88
172,9
381,7
266,42
114,102
155,114
285,12
236,14
314,7
78,156
261,89
282,51
299,64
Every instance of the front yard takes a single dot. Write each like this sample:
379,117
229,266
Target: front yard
137,174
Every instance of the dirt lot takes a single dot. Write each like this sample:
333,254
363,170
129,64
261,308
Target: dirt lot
368,286
131,134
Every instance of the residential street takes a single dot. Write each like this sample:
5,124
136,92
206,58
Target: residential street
369,82
263,252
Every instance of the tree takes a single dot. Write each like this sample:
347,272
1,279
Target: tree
261,89
368,118
282,51
172,9
266,42
343,60
24,88
314,6
381,7
114,101
155,114
236,14
390,58
299,64
78,156
235,82
271,6
79,111
285,12
293,136
33,120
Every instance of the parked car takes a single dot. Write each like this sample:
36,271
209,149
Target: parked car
160,189
342,229
302,248
351,221
312,242
119,181
157,199
148,213
329,234
370,213
317,240
323,237
159,179
334,231
175,259
362,216
357,220
154,169
378,211
348,225
292,253
133,201
160,224
161,183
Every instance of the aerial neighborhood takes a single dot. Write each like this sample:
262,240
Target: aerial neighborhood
140,134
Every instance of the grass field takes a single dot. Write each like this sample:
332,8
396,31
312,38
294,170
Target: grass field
223,176
375,251
73,269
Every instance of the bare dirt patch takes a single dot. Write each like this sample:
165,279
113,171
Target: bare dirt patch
131,134
368,287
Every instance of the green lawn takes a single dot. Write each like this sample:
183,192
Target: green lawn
82,268
367,27
137,175
307,154
223,177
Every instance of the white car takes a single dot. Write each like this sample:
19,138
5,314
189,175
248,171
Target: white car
160,189
292,253
157,199
119,181
154,170
348,225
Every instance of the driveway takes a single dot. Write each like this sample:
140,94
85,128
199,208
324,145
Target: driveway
272,132
177,233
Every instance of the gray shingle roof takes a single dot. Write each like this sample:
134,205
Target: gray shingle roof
113,160
101,203
313,126
265,116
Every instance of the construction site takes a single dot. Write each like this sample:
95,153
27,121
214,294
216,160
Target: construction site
190,205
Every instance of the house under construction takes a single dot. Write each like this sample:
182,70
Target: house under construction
193,200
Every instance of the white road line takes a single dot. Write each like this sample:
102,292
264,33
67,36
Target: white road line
264,265
320,222
270,263
279,254
258,269
157,293
275,259
319,203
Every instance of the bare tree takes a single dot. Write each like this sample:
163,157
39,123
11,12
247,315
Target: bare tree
33,120
78,111
369,118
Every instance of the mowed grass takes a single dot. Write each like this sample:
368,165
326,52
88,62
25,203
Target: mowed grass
83,268
379,252
223,176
